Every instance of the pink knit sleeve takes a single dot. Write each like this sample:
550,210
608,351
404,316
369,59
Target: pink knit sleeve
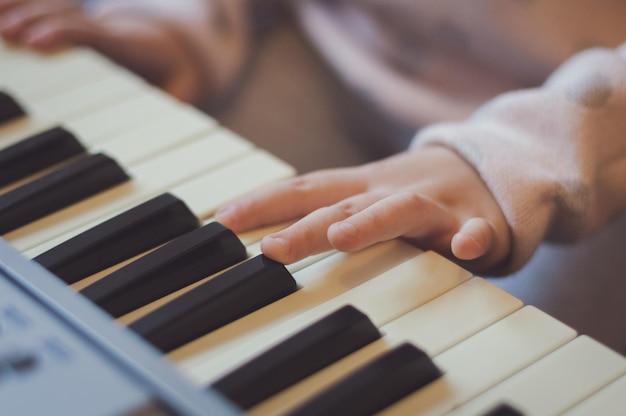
554,157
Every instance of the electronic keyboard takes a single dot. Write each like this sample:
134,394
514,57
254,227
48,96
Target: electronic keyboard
121,295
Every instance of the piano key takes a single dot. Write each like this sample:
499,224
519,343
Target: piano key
185,260
392,270
109,112
61,188
133,232
149,179
70,70
610,401
170,129
91,96
470,367
486,359
10,109
17,57
37,153
435,326
322,343
203,194
221,300
503,409
138,144
453,316
140,109
556,382
377,385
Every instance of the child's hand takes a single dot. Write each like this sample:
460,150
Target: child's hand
135,40
430,196
21,20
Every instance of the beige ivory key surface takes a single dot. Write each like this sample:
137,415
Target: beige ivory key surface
148,179
433,327
205,193
406,282
485,359
35,82
556,382
609,401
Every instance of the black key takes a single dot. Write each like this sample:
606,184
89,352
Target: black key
319,345
375,386
221,300
72,183
183,261
133,232
504,409
36,153
9,108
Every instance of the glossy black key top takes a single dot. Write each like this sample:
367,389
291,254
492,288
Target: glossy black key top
9,108
120,238
36,153
72,183
375,386
181,262
235,293
310,350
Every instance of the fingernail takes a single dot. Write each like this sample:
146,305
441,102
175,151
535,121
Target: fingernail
226,211
276,247
345,229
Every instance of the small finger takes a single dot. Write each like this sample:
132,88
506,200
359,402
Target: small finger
473,240
288,200
309,235
399,215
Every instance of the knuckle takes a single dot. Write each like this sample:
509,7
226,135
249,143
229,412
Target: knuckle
414,201
302,184
346,208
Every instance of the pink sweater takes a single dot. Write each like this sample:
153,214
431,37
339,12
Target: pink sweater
553,151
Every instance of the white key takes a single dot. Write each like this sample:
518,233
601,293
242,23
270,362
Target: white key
35,82
141,142
554,383
77,107
435,326
610,401
159,125
485,359
16,56
205,193
140,110
315,283
160,135
382,295
91,96
450,318
148,179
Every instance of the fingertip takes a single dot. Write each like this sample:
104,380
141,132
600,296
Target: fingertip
277,248
343,236
473,240
228,215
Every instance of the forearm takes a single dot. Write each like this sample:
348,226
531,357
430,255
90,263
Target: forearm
554,157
